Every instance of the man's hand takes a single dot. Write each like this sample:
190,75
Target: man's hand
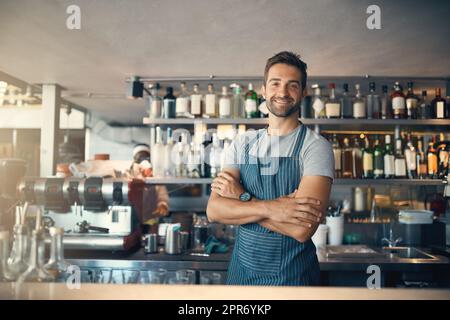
302,211
227,186
161,210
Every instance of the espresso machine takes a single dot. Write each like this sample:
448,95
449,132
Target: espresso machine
96,213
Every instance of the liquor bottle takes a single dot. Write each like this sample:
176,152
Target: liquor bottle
359,104
157,155
386,106
398,102
373,103
438,106
432,159
196,102
412,102
238,103
332,105
155,102
424,106
421,163
389,158
168,161
211,105
347,159
306,107
367,155
169,104
318,104
357,159
346,103
225,104
182,103
251,103
193,162
337,151
400,162
410,157
215,156
442,150
378,160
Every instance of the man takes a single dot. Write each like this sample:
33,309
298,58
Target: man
276,186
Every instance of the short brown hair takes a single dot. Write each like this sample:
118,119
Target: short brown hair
291,59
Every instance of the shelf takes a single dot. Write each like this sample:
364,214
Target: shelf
354,182
361,124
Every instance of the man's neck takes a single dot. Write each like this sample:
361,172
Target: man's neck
282,126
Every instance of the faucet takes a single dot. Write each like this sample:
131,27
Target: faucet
391,242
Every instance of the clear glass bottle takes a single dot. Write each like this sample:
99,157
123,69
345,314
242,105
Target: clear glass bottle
346,103
36,271
367,155
5,273
215,156
412,102
347,159
438,106
359,104
424,106
193,162
155,102
378,160
318,103
169,104
168,161
196,102
442,150
332,105
211,104
157,155
337,151
238,103
410,157
251,103
373,103
57,266
389,158
183,102
398,102
386,106
18,259
225,104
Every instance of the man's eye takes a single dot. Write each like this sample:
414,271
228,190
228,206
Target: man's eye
275,84
294,85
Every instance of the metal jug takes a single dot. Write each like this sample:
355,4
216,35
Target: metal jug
173,239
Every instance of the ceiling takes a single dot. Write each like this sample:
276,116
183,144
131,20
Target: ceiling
120,38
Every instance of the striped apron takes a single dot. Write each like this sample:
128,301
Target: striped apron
261,256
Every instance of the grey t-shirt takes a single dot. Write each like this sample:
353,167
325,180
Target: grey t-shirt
316,155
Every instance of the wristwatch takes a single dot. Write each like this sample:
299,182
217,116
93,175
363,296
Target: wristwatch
245,196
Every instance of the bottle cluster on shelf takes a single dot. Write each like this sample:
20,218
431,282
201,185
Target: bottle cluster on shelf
402,157
196,104
233,102
387,105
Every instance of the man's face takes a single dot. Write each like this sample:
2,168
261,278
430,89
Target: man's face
283,90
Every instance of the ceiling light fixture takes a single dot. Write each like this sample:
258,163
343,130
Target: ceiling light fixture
135,88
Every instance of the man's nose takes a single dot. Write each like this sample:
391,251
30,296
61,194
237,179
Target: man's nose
283,91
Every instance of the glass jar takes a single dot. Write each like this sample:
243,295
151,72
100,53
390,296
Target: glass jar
57,266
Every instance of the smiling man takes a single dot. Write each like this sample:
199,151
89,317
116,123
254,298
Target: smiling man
275,185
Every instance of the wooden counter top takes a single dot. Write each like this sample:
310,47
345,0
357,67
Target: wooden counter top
44,291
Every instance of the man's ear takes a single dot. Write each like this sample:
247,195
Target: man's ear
305,92
263,91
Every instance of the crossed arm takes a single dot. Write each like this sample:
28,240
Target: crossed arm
297,215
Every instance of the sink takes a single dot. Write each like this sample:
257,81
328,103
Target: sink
407,253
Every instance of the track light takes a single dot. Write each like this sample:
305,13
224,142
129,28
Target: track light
135,89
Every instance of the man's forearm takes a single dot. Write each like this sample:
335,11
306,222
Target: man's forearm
231,211
299,233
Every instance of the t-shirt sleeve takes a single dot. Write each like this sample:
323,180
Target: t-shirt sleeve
231,155
318,157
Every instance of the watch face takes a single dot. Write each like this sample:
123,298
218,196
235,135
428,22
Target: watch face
245,196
